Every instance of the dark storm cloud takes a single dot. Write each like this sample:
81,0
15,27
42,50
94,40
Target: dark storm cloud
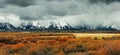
22,3
2,6
72,12
25,3
28,18
104,1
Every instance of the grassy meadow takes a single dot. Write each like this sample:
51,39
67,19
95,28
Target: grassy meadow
26,43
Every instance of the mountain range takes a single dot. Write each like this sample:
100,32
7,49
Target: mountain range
52,26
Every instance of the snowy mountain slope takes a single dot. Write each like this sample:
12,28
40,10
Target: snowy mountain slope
55,26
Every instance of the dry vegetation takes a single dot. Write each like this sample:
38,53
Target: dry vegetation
57,44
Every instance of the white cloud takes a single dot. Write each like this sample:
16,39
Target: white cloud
73,12
10,18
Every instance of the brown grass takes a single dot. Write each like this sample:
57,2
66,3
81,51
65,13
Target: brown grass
59,44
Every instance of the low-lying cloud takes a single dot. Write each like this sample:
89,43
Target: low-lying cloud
73,12
10,18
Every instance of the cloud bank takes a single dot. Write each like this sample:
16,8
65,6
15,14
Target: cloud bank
73,12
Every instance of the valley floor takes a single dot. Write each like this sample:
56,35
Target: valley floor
36,43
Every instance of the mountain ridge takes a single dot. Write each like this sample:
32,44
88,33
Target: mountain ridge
53,26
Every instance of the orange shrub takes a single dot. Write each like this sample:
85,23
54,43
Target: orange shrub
110,48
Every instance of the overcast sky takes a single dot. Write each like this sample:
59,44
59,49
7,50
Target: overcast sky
73,12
